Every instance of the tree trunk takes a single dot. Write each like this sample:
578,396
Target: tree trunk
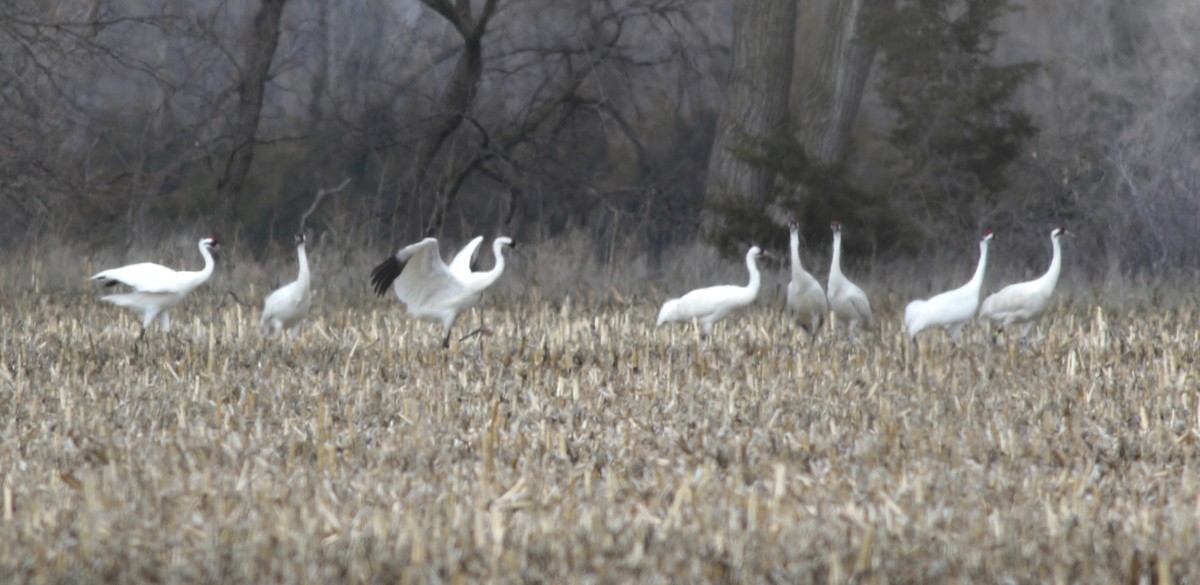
252,84
755,103
454,101
829,91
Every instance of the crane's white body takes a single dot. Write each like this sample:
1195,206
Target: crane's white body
709,305
156,288
953,309
847,301
1024,302
806,299
289,305
429,288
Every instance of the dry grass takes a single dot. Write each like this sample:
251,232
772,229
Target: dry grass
581,445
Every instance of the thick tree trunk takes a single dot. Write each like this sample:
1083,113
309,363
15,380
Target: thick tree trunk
828,92
755,103
256,67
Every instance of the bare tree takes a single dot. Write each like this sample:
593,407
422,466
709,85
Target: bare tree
829,91
755,103
251,87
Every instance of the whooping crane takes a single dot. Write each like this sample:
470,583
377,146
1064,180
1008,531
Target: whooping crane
952,309
1022,303
288,306
805,298
156,288
711,304
429,288
847,301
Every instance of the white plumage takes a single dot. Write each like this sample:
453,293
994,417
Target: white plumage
805,298
952,309
429,288
847,301
1022,303
156,288
288,306
709,305
463,264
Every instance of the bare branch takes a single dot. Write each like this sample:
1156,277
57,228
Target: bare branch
320,198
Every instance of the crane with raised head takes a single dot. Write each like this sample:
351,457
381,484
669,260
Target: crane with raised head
156,288
1024,302
952,309
711,304
429,288
847,301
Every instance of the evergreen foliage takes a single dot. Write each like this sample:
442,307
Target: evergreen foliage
815,194
955,131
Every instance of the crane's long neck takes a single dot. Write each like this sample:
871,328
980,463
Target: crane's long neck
195,279
755,278
797,267
836,265
490,276
208,263
302,256
1051,275
977,278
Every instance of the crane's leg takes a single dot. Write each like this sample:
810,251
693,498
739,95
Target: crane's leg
483,329
147,320
955,334
446,339
1026,328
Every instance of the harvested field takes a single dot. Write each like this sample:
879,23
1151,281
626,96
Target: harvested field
579,444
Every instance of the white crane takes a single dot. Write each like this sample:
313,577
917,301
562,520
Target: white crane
429,288
288,306
709,305
1022,303
952,309
847,301
156,288
805,298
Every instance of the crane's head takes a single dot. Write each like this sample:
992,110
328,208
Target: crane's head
300,239
836,226
793,225
1060,231
210,242
506,241
987,237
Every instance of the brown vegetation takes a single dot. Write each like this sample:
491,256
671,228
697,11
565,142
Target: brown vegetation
579,443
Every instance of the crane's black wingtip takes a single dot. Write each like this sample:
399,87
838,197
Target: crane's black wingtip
385,274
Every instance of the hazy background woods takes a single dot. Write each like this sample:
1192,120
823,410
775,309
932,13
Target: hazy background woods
126,121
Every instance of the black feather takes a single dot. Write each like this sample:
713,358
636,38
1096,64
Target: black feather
110,283
385,274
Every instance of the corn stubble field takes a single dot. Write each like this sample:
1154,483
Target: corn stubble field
580,444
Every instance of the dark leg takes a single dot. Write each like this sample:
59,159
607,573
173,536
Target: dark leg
446,340
483,329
